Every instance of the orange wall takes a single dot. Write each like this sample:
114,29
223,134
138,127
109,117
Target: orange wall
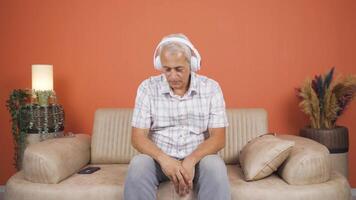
258,51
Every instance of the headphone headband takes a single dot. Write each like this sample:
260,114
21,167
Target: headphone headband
195,65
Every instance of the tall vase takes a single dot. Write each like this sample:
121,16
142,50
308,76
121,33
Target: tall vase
336,140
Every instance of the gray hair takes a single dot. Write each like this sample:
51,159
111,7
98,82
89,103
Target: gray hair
176,47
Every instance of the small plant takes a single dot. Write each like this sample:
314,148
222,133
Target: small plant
43,96
17,99
324,100
18,104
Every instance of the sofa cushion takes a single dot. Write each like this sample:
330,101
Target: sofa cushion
244,125
262,156
108,183
274,188
111,139
55,159
308,163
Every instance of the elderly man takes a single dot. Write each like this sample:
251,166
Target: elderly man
179,125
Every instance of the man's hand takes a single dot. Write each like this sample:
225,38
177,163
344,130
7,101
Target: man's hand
189,166
171,167
174,170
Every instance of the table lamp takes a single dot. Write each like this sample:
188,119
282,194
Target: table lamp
42,83
43,118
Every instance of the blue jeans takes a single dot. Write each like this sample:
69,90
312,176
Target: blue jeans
144,175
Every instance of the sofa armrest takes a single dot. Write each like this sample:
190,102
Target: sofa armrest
308,162
55,159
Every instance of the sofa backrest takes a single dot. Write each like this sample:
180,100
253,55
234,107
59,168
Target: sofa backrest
111,138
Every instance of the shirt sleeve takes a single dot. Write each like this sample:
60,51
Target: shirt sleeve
141,117
217,115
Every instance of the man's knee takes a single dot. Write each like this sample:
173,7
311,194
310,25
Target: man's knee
213,182
213,166
141,159
140,165
141,178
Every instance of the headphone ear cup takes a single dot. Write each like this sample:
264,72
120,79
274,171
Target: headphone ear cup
194,64
157,63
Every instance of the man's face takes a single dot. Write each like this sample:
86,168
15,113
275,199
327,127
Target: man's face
176,69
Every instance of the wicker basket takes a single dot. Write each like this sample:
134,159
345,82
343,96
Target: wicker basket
48,121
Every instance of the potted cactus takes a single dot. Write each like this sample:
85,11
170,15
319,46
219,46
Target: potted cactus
324,100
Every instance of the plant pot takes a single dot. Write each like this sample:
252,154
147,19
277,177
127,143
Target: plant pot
336,140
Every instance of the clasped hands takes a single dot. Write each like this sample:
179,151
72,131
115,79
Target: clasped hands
181,173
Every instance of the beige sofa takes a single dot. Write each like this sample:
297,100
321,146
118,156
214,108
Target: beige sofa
49,171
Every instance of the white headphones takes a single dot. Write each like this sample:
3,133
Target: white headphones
194,60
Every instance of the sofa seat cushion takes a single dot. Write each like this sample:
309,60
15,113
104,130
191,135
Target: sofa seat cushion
108,184
274,188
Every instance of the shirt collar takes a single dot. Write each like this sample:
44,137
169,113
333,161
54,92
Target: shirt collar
165,88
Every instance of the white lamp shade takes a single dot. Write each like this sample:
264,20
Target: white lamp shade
42,77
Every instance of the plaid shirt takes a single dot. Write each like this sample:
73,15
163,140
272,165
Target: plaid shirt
179,124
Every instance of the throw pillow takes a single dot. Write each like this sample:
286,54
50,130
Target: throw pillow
261,156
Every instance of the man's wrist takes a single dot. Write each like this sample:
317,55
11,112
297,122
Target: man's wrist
160,157
192,158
